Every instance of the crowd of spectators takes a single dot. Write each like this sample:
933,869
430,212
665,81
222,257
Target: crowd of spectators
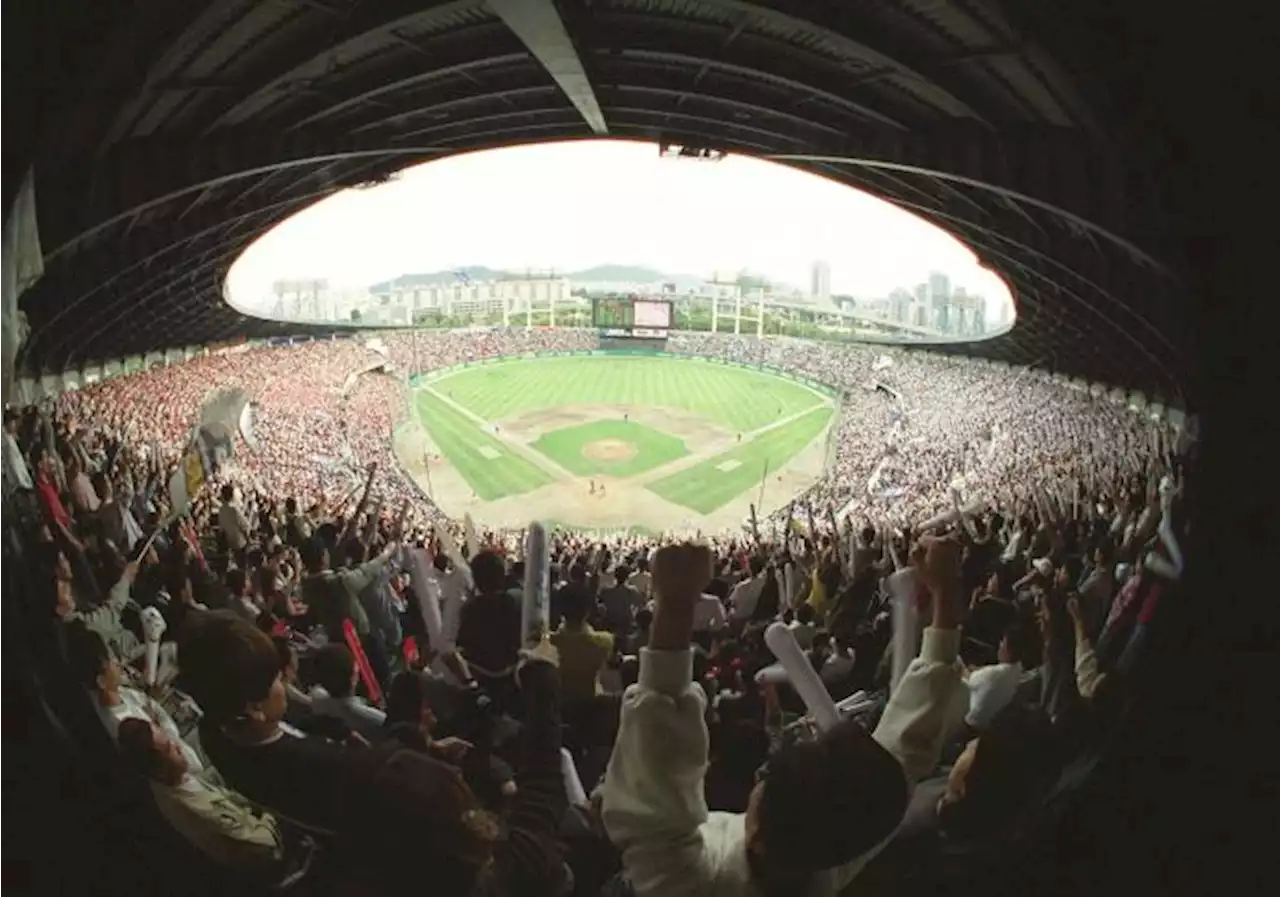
344,697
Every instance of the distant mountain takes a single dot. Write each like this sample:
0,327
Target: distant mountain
635,274
436,278
623,273
608,273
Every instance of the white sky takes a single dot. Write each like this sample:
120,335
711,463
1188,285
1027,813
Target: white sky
573,205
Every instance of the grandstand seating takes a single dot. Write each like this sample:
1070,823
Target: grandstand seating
1066,485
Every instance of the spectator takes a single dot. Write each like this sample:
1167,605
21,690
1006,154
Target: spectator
619,601
996,772
489,632
335,597
334,670
824,808
216,820
106,619
82,494
16,473
393,812
583,651
411,720
803,627
234,525
101,675
991,688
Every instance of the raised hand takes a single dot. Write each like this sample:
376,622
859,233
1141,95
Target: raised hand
453,748
681,573
939,570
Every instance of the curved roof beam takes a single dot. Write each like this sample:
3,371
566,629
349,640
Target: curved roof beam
416,80
373,24
754,74
777,22
516,94
740,105
1137,254
538,24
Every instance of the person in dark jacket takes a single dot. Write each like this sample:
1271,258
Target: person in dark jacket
411,720
392,815
489,631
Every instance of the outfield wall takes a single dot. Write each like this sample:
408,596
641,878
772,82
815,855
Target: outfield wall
416,380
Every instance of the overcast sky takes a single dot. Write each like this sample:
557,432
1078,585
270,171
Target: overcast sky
574,205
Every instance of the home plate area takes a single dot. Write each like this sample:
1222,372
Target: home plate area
731,464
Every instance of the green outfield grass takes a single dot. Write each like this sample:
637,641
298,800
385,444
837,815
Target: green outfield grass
738,399
487,464
716,481
567,446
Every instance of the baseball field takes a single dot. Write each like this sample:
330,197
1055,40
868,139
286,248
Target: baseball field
650,442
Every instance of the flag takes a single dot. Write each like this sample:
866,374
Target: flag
472,541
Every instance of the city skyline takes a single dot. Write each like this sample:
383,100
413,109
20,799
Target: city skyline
928,306
569,206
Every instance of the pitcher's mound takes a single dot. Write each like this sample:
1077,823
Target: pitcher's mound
609,450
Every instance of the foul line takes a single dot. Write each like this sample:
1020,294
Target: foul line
721,446
546,464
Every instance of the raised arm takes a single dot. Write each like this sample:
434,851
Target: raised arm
653,802
930,699
530,859
1086,660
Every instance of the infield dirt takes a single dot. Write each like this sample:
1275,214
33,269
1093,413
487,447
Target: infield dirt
621,502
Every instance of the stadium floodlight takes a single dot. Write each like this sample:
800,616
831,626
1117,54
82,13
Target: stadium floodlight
668,150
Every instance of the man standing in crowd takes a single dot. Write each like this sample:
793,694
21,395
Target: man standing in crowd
16,473
489,634
824,809
235,527
335,597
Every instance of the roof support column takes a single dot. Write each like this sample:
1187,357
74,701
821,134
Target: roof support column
539,26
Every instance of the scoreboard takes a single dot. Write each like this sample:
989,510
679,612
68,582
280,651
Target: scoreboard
632,317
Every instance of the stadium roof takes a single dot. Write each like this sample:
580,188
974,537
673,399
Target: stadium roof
166,137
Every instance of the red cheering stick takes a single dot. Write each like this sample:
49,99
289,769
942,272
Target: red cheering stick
362,662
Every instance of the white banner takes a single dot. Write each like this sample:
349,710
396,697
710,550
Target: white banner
23,263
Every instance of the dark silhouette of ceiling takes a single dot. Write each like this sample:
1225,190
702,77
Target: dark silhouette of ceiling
166,137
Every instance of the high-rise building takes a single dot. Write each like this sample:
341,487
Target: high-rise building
979,315
940,301
899,304
820,280
961,305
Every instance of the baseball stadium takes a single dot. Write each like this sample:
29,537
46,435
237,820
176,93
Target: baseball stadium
626,448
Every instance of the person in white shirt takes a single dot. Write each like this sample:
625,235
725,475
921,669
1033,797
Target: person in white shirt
453,584
991,688
16,473
746,594
823,809
803,627
641,580
216,820
82,492
334,694
102,675
709,614
231,520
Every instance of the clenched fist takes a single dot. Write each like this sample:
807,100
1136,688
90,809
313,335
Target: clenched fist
940,566
681,572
